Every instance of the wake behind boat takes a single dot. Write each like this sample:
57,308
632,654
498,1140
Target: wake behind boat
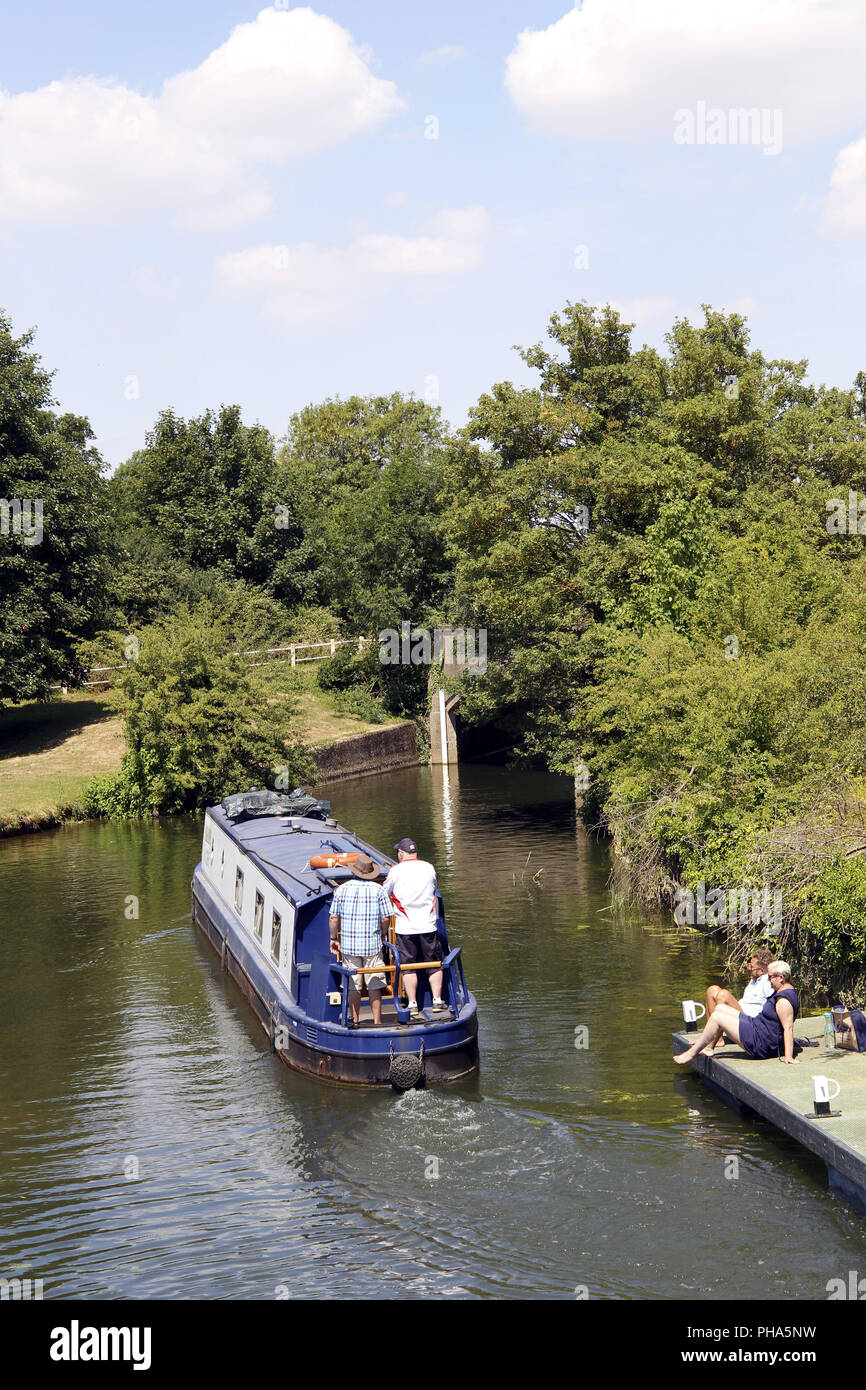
262,896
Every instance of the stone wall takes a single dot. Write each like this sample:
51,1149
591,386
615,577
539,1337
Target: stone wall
379,751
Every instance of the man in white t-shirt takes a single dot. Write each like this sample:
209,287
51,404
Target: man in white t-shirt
411,885
756,992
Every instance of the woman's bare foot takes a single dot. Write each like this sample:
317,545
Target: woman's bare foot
684,1057
707,1051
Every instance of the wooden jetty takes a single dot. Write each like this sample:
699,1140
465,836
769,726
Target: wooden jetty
783,1095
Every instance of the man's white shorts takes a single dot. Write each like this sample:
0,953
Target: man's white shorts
368,962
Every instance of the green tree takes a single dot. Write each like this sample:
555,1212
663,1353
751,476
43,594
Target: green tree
367,472
203,497
55,548
701,480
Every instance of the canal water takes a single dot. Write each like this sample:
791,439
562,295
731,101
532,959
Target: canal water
154,1148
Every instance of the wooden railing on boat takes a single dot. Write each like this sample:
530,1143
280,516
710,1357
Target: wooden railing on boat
451,966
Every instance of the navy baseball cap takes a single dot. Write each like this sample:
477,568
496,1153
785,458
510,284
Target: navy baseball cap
407,846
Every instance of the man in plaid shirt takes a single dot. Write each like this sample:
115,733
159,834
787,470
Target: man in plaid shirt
359,919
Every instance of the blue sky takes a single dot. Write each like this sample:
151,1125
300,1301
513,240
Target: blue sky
273,227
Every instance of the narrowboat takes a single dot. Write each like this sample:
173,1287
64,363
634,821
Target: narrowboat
265,908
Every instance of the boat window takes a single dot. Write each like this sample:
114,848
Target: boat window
239,890
276,934
259,917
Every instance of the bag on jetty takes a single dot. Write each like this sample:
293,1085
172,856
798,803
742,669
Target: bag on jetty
852,1033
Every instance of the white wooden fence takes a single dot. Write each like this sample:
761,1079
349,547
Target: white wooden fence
322,651
291,651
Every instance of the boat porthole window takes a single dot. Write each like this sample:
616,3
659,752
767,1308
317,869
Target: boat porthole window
259,916
276,934
239,890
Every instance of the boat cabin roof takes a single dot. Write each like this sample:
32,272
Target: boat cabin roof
281,847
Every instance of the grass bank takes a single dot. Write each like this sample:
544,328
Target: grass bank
322,717
48,751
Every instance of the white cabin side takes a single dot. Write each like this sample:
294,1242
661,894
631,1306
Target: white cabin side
265,914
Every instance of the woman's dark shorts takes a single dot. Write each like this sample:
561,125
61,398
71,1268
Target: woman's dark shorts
419,946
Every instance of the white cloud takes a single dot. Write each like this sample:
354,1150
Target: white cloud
845,211
448,53
307,283
88,151
621,68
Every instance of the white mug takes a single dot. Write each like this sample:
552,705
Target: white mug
821,1089
689,1006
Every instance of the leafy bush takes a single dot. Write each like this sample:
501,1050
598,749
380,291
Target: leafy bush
115,795
311,624
347,667
357,700
401,689
198,723
833,920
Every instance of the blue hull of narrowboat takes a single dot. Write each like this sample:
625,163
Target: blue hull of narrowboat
448,1050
